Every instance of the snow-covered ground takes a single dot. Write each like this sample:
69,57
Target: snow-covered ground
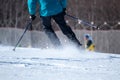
53,64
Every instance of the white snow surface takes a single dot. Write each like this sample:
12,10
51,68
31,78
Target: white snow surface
57,64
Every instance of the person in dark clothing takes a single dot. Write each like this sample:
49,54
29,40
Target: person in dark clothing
53,9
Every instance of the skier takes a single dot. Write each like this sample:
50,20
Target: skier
53,9
89,43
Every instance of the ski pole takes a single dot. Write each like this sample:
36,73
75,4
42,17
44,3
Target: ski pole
27,26
81,21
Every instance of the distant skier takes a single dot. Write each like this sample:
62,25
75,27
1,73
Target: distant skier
89,43
52,9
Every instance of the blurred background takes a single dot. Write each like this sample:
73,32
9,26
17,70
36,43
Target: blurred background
103,13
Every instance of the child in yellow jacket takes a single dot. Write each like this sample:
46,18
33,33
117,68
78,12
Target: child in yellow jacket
89,43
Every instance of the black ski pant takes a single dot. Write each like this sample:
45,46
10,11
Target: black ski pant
59,19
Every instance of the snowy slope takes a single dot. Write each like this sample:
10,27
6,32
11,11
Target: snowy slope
52,64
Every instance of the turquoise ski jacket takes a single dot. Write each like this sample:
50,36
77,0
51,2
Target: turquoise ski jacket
47,7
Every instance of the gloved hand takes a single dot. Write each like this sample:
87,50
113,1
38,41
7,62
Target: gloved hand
64,11
32,17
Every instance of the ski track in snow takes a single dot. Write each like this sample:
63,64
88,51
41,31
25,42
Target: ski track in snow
51,64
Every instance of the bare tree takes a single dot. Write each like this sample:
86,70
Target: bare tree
14,13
